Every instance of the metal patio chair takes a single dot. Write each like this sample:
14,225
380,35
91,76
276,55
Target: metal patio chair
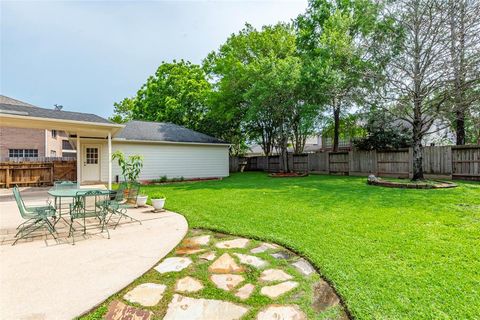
36,217
88,204
64,184
124,197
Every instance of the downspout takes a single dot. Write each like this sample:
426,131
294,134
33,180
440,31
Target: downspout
79,154
109,161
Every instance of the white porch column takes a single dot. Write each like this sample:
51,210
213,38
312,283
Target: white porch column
109,161
79,159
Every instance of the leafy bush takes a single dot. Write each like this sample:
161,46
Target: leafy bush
383,132
130,166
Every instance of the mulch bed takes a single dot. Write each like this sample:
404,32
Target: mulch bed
412,185
288,175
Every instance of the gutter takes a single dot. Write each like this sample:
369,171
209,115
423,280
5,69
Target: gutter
170,142
101,124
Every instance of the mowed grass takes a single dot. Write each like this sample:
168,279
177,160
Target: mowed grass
390,253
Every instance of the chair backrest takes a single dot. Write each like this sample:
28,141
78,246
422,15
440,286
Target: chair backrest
20,203
120,195
82,204
62,185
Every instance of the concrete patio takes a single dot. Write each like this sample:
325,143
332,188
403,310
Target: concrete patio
44,278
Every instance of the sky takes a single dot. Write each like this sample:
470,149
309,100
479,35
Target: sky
86,55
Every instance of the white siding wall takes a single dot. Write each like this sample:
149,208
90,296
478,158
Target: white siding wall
172,160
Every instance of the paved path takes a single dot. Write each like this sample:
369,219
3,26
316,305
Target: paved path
212,276
47,279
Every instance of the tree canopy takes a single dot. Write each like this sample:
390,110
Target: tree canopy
407,61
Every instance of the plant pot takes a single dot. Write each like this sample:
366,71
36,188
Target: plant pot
141,200
158,203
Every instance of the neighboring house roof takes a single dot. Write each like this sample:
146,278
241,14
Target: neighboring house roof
19,108
15,102
159,131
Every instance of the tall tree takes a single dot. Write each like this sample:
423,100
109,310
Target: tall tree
123,110
464,47
247,73
178,93
418,75
345,45
275,94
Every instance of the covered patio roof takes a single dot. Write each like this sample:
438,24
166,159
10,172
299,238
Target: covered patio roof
14,113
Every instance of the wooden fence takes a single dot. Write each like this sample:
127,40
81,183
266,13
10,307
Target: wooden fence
36,173
450,162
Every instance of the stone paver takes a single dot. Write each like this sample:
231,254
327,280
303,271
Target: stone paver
251,260
283,255
198,240
226,281
225,264
323,296
182,308
278,289
279,312
118,310
188,284
304,267
238,243
245,292
188,250
275,275
210,256
146,294
174,264
264,247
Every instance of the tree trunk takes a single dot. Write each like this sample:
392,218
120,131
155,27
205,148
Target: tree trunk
336,129
460,127
417,152
457,60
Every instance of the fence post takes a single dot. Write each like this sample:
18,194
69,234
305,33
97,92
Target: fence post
7,178
375,163
327,165
350,162
51,172
410,163
450,162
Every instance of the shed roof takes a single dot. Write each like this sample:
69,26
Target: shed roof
19,108
160,131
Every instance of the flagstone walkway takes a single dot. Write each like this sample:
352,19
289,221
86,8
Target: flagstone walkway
215,276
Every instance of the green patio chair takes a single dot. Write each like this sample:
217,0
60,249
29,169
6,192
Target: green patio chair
88,204
64,184
123,201
36,217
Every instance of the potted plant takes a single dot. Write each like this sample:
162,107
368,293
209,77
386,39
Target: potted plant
142,200
158,202
130,168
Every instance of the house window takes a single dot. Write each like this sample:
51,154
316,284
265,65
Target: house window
23,153
53,153
54,134
92,155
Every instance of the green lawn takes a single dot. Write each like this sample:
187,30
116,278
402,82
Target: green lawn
390,253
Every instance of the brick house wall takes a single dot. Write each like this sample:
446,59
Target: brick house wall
54,144
25,138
